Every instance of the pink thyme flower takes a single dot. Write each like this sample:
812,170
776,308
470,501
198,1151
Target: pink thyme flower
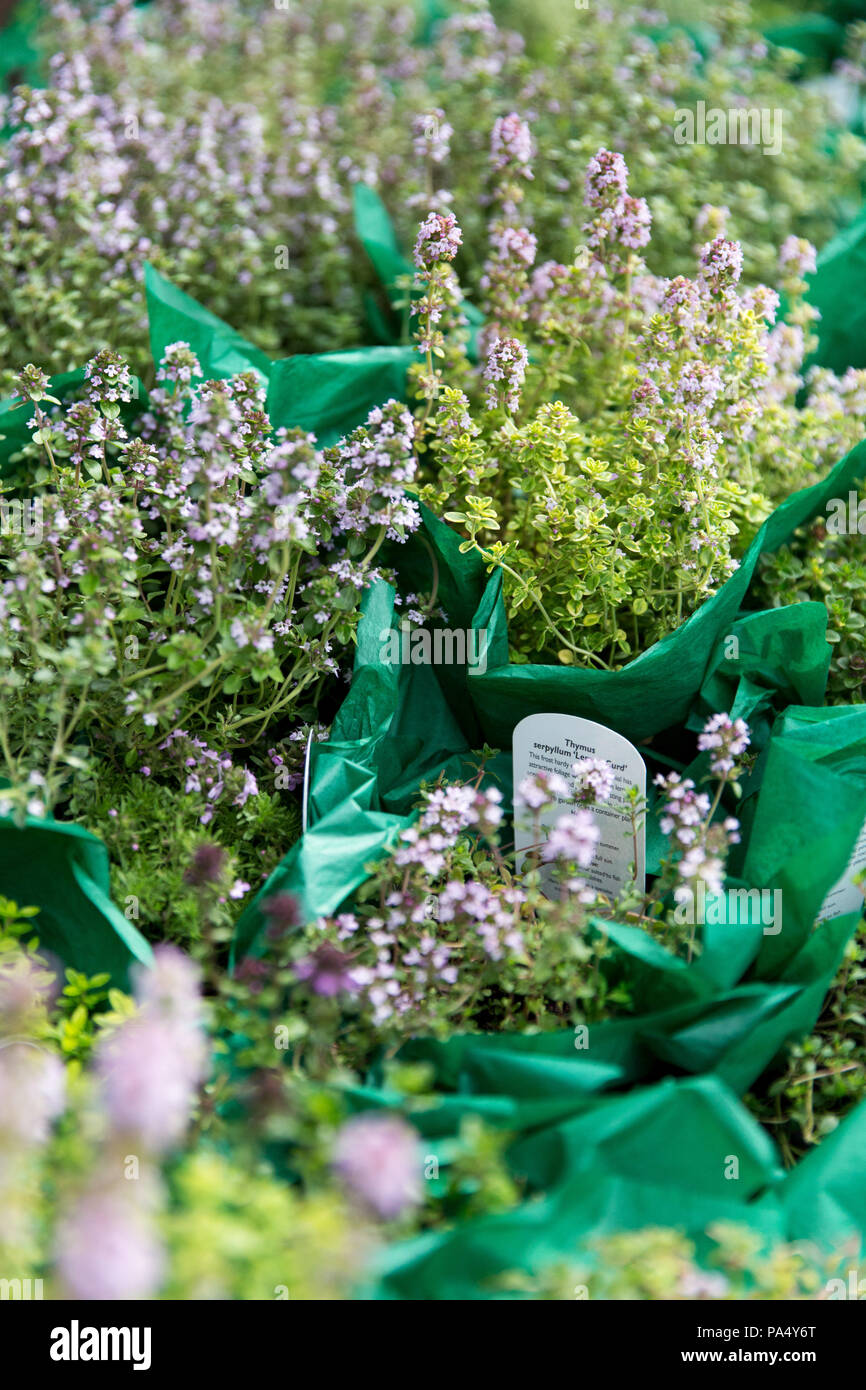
594,780
722,263
378,1158
699,864
505,372
432,136
542,789
619,220
151,1066
685,808
108,1246
606,179
32,1092
327,970
511,145
797,256
726,739
574,839
515,244
439,239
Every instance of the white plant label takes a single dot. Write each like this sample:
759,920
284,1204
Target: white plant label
305,795
845,896
554,743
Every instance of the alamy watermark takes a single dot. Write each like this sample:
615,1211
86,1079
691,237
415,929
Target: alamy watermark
77,1343
20,1289
847,516
734,125
854,1289
21,517
759,906
444,646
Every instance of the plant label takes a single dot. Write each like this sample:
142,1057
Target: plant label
845,896
305,795
554,743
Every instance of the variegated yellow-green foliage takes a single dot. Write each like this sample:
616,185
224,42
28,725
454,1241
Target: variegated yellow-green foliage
658,1263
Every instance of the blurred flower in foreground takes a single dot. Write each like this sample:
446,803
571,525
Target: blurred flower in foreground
108,1247
326,970
151,1066
378,1158
32,1092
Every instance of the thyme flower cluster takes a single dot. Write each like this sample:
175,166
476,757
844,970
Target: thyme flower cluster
191,583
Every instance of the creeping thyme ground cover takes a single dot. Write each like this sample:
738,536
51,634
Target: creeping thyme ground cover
294,969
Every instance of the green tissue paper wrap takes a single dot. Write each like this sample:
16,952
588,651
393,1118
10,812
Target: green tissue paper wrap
327,394
654,1157
63,870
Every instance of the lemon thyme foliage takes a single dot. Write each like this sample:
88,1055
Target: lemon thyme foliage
825,566
615,458
36,1007
233,1234
657,1262
191,589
